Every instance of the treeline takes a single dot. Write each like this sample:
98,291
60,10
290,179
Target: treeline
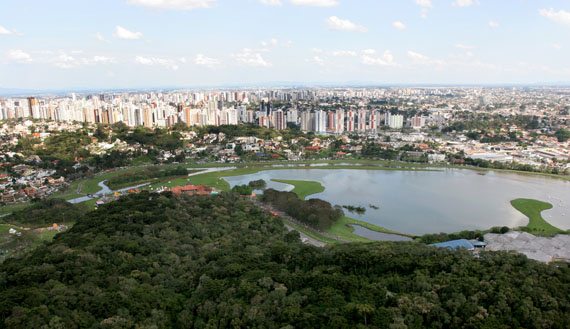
370,150
150,173
469,235
487,122
159,138
63,146
45,212
313,212
155,261
509,166
358,209
232,131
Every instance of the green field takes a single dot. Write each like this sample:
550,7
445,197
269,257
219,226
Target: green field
214,179
536,224
30,239
303,188
342,229
13,207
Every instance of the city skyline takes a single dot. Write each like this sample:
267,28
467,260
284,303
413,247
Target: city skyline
193,43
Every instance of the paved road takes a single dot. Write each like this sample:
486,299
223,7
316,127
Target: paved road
307,239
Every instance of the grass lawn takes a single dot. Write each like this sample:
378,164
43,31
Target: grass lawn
13,207
4,228
214,179
29,240
312,234
211,180
303,188
342,229
536,224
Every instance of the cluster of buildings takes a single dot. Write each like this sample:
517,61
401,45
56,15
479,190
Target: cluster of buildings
388,117
209,109
28,182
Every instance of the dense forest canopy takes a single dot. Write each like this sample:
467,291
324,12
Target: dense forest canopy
157,261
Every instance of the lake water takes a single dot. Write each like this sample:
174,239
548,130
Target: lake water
418,202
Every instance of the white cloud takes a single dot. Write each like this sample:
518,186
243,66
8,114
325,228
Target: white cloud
315,3
65,61
343,53
182,60
493,24
100,37
399,25
168,63
317,50
5,31
204,60
335,23
464,47
122,33
556,46
173,4
103,60
369,51
420,59
61,59
387,59
271,2
276,43
251,58
424,3
271,42
18,56
464,3
317,60
561,16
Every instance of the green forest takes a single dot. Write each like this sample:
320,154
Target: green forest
159,261
316,213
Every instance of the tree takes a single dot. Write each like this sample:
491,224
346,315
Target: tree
242,189
239,150
562,135
257,184
100,133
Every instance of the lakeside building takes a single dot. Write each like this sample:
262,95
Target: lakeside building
459,244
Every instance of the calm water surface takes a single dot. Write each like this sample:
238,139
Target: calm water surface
419,202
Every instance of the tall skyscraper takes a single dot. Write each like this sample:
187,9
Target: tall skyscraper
279,120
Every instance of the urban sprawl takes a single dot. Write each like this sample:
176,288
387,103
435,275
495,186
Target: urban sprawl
520,128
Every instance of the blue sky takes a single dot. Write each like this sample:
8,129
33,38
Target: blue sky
152,43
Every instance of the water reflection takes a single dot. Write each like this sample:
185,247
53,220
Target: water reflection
419,202
378,236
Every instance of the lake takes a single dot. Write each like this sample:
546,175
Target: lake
419,202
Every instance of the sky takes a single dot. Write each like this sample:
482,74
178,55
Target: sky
106,44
